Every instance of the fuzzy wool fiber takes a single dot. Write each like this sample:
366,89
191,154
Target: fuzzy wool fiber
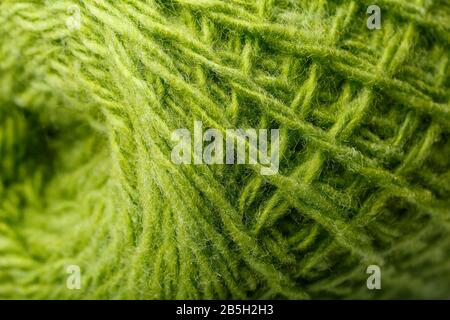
90,92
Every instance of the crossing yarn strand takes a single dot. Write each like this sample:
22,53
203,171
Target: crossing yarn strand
91,92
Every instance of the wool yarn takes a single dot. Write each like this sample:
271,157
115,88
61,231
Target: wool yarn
90,92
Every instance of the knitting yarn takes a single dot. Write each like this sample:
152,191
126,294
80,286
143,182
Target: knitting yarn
93,205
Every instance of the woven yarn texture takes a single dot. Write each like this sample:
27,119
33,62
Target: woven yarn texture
91,91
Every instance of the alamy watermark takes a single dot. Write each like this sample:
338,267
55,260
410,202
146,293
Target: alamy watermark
73,281
374,280
73,22
190,147
374,20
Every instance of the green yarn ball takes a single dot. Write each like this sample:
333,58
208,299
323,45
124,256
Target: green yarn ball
91,91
